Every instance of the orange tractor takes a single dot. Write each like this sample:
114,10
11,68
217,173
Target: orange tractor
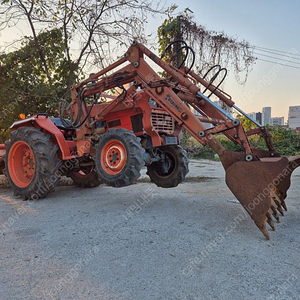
110,141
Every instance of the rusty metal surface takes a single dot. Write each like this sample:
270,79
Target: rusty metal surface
261,187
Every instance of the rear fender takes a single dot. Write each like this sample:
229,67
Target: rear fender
41,121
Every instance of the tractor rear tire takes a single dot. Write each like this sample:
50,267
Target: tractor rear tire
119,157
172,170
2,167
32,163
85,178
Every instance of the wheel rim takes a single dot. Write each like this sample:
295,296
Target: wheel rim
171,162
21,164
113,157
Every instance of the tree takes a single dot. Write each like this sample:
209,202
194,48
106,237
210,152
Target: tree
211,47
24,85
247,124
91,29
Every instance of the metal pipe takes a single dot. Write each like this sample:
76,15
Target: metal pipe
217,107
247,116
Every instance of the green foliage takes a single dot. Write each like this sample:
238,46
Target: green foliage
228,144
167,33
171,29
285,141
25,88
247,124
194,149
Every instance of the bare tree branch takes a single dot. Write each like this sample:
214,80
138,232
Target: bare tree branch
91,28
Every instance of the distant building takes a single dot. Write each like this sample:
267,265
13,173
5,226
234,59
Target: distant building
276,121
252,115
265,116
256,116
294,117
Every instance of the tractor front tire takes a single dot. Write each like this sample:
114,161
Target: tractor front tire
119,157
172,169
32,163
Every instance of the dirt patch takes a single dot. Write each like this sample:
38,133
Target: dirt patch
199,179
187,179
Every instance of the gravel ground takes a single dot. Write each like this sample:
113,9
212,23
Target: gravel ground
143,242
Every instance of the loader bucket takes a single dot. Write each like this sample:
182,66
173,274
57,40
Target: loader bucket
261,187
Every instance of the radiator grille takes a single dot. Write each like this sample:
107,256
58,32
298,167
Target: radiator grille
162,121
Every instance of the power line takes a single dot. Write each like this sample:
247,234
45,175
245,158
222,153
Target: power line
273,50
277,63
279,54
283,60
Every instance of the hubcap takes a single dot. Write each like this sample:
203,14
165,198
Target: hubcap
21,164
113,157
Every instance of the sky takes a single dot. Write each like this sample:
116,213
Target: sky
271,24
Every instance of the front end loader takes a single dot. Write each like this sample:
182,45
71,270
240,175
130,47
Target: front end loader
102,137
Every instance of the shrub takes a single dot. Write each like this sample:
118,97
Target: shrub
285,141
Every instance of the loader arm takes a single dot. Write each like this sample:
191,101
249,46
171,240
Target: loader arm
259,179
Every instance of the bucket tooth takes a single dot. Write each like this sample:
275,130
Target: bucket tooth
270,221
276,201
279,208
283,204
264,231
275,213
274,207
